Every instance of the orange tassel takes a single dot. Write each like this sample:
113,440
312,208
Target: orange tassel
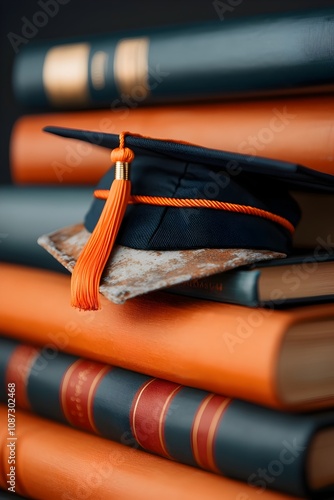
88,270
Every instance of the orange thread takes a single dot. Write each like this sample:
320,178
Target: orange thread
174,141
202,203
122,153
89,267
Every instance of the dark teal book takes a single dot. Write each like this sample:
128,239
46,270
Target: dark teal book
302,279
6,495
272,53
266,448
27,212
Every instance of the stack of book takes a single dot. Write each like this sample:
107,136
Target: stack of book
219,387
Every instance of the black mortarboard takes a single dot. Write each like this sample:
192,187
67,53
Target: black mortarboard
193,212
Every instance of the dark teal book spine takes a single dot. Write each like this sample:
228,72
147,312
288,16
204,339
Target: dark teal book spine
28,212
6,495
264,447
234,287
270,53
241,286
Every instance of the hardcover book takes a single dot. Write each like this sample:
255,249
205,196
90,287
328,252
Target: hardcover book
6,495
282,53
300,279
298,130
226,436
53,461
27,211
262,356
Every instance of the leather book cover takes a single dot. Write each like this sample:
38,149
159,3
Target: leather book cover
56,462
230,437
274,53
226,349
28,211
298,130
305,278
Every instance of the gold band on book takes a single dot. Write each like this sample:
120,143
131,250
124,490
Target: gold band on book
99,69
131,67
65,75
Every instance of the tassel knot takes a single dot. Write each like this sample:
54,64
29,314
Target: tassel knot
88,270
124,155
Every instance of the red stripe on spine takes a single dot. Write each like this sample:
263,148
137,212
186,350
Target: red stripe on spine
18,371
148,413
77,392
205,425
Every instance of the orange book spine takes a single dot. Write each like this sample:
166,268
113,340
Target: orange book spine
227,349
49,460
295,129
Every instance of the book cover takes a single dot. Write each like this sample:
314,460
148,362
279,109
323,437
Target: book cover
227,436
268,53
53,461
6,495
262,356
297,130
26,211
299,279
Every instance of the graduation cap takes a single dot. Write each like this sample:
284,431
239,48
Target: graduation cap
187,212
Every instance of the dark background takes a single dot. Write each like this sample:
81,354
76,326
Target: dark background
85,17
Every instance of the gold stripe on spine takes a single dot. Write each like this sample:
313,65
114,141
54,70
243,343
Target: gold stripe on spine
211,434
196,425
91,394
135,410
162,419
63,388
65,75
131,67
98,69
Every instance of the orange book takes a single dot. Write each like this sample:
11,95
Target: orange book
295,129
51,461
258,355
